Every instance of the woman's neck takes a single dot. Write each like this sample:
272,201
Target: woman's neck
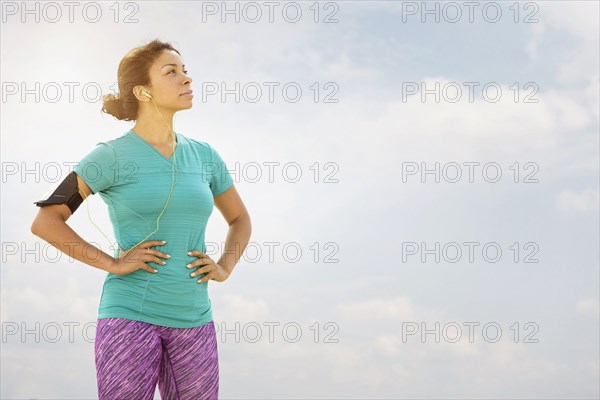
155,126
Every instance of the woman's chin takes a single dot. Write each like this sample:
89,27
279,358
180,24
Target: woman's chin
186,107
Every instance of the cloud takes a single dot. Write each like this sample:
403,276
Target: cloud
582,201
580,20
589,307
533,46
379,308
385,364
41,303
506,128
236,307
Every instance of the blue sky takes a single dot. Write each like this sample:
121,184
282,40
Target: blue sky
364,221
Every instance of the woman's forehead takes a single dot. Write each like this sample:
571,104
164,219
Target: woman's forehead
167,58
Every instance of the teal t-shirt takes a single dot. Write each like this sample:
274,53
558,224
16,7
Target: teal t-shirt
134,179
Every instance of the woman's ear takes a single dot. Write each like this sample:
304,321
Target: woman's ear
140,92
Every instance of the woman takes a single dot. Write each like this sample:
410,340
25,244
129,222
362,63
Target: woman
155,317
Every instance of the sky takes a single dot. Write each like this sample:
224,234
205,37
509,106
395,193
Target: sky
425,210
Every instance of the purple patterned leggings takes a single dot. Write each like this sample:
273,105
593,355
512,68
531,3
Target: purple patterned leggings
132,356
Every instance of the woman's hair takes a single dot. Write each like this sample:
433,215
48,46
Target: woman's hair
133,70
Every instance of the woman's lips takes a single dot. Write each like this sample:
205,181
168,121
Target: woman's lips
189,93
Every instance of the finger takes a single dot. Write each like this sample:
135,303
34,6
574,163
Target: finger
147,255
200,271
196,253
151,258
198,263
158,261
149,268
152,243
157,253
163,255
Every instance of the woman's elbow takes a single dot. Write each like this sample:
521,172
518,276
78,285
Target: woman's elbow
45,217
37,227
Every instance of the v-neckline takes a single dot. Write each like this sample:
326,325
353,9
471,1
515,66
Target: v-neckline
161,155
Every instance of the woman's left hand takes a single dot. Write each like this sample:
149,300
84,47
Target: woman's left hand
214,271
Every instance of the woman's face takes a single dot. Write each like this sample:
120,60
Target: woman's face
169,82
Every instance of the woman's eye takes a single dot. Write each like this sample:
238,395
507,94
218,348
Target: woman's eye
185,72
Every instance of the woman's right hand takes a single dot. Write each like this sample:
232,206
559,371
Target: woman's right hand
137,257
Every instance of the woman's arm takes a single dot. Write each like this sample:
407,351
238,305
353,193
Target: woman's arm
240,227
50,224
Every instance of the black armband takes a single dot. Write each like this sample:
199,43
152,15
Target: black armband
66,193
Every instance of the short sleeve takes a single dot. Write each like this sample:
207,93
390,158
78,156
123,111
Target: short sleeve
220,179
97,168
